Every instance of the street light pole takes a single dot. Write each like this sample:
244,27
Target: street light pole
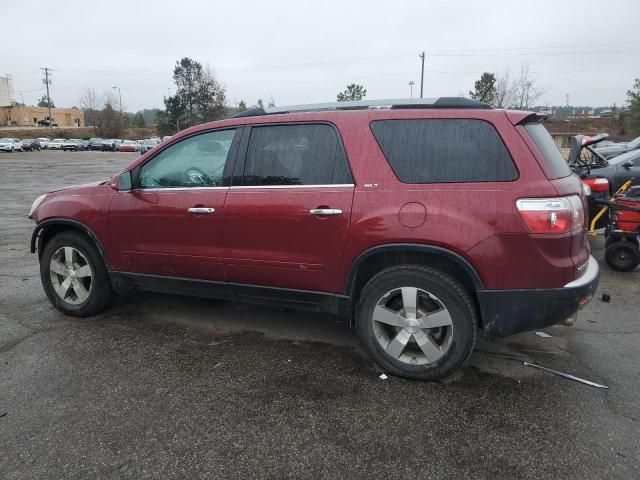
120,96
411,84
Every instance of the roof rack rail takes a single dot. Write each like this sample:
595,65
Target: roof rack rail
250,112
403,103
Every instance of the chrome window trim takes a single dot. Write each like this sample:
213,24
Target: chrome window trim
175,189
326,185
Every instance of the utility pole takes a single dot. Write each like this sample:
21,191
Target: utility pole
422,75
411,84
46,81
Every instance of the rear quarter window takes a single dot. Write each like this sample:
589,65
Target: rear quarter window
444,151
558,167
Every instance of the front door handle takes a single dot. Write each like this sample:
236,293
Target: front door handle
201,210
323,212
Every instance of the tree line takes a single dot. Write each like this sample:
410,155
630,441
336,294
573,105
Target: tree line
199,97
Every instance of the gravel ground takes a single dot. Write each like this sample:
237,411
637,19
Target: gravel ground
164,386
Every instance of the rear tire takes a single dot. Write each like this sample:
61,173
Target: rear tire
394,314
622,256
74,275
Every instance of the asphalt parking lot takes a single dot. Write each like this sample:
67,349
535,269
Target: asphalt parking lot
175,387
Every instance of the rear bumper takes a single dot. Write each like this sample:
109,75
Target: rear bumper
505,312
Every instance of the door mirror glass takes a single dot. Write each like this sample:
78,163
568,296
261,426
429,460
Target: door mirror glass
124,181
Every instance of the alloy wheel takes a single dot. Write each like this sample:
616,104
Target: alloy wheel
412,326
71,275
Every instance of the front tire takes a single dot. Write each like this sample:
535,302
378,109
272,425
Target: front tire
417,322
74,275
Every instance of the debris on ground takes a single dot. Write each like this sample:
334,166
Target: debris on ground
565,375
606,297
543,334
383,376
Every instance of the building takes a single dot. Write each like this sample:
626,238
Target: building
24,116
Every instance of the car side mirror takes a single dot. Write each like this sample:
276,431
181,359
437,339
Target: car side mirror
628,164
124,181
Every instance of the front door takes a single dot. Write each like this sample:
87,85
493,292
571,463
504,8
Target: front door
287,223
170,223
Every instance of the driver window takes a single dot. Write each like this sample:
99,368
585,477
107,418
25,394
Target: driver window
196,161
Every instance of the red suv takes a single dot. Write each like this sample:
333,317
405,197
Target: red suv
421,221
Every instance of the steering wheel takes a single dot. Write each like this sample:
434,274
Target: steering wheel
195,176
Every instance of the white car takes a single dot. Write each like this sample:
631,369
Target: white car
10,144
44,142
56,143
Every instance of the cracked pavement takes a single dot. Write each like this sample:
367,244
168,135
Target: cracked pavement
163,386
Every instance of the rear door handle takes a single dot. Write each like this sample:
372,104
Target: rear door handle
322,212
201,210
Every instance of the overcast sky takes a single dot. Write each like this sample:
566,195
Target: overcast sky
303,52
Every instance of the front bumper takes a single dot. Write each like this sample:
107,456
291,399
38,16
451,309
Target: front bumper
505,312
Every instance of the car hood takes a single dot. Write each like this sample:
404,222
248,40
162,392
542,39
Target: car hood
78,188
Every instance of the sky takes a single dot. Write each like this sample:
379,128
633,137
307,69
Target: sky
305,52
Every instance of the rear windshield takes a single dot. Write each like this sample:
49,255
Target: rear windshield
558,167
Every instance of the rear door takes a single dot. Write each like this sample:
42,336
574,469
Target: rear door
287,220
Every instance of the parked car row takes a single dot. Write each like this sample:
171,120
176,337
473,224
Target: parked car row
10,144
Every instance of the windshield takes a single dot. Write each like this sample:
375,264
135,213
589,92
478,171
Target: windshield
58,140
5,140
633,144
625,157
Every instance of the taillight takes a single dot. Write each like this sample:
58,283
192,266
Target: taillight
552,215
597,184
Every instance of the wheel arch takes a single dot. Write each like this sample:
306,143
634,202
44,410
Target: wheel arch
45,230
375,259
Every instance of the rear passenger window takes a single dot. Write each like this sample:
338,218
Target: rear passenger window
444,150
295,155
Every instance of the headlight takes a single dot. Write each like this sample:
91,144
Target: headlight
35,204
